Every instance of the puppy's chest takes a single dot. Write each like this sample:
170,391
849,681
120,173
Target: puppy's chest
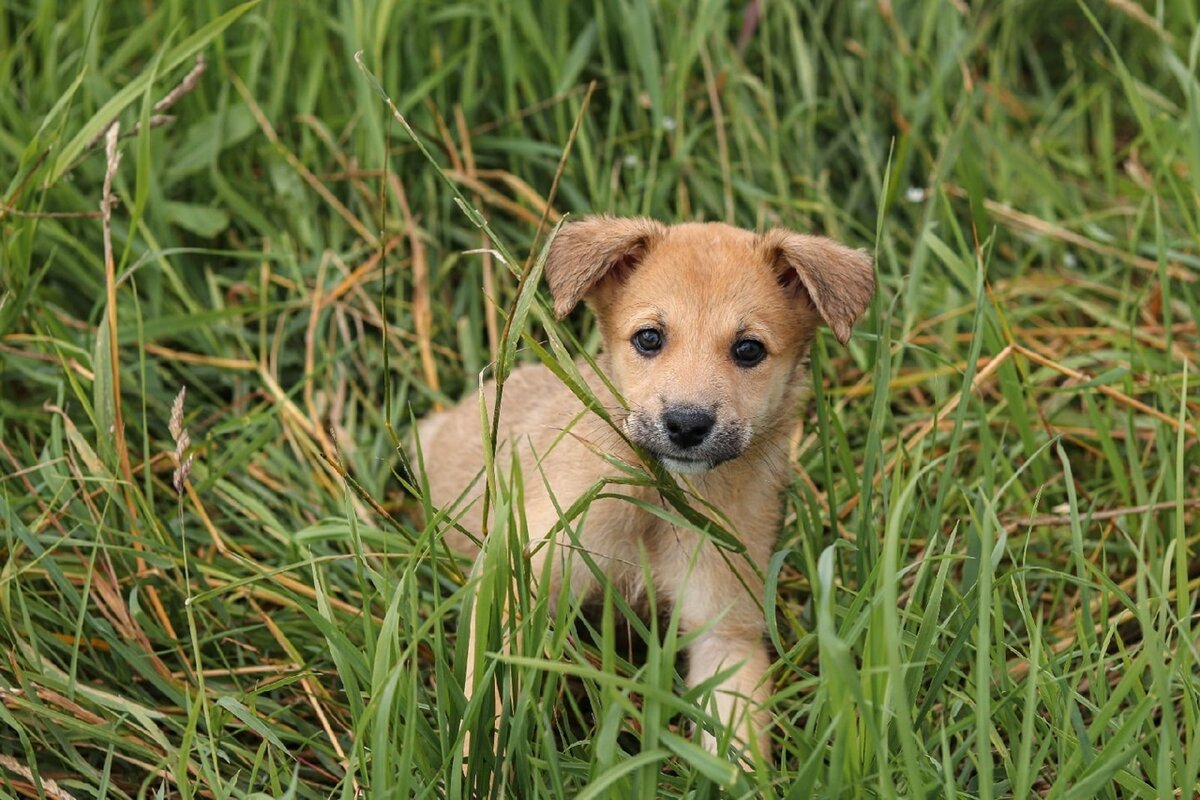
629,536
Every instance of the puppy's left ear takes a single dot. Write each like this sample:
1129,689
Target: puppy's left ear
836,279
593,250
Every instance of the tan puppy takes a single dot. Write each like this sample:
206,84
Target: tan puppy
706,333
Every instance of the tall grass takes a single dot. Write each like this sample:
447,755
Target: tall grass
985,585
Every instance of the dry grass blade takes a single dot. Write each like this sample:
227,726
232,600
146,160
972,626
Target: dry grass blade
1033,224
112,160
1098,515
51,789
1115,394
1142,17
547,208
185,86
491,324
421,301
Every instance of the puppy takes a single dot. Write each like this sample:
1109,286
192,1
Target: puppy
706,331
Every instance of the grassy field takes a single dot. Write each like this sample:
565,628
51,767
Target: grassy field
986,585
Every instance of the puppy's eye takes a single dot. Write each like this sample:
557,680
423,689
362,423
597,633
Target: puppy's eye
748,352
648,341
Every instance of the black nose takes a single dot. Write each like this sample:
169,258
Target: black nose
687,425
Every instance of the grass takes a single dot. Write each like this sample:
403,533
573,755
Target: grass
986,584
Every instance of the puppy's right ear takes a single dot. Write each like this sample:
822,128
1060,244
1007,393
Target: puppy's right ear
594,250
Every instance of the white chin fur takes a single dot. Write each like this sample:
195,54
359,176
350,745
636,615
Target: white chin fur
684,467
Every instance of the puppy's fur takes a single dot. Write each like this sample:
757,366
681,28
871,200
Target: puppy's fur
695,402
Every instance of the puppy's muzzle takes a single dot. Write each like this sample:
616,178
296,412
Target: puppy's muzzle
688,438
687,426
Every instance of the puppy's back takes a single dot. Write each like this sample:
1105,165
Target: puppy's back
537,409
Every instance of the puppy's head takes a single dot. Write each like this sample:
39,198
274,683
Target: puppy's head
707,326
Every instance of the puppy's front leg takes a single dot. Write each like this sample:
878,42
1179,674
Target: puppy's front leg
717,598
469,678
741,698
475,661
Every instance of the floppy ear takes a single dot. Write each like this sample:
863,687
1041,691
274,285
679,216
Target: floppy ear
838,280
588,251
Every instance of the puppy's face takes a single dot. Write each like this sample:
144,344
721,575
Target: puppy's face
707,326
